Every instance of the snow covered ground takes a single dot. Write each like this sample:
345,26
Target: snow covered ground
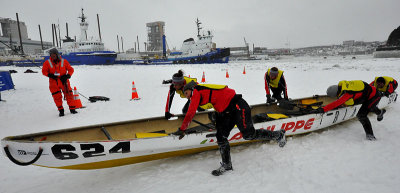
339,159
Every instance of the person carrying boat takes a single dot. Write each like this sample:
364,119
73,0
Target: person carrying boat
275,81
59,71
178,82
231,110
384,84
356,92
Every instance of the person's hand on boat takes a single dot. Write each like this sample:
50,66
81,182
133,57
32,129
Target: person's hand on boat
167,81
317,111
180,133
168,115
270,99
387,93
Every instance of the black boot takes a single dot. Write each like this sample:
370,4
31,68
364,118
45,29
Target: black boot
367,126
380,115
371,137
73,111
279,136
61,112
226,163
222,169
282,138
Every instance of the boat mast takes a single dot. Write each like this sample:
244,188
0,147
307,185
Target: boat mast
198,27
84,26
20,39
98,25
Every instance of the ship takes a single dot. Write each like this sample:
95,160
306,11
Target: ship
200,52
84,51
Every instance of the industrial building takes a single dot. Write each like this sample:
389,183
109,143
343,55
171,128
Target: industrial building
155,32
9,35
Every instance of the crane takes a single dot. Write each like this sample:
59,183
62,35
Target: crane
247,47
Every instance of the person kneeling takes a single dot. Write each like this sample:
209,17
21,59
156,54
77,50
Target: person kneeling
231,110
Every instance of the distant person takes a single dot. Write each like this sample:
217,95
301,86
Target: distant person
356,92
231,110
59,72
275,81
178,82
386,85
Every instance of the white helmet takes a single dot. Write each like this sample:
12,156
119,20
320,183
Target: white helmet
332,91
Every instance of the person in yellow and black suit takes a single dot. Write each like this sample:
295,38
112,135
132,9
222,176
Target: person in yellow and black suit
178,82
275,81
386,85
356,92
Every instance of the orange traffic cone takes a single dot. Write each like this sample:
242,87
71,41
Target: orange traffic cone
244,70
203,79
135,95
227,75
77,100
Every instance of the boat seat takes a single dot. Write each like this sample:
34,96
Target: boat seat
264,117
148,135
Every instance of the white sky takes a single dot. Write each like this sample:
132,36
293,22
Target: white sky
266,23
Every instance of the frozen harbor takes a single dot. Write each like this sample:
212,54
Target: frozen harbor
336,160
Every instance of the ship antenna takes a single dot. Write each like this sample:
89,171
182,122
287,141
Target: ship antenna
82,17
198,27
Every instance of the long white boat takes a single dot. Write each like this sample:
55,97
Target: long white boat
129,142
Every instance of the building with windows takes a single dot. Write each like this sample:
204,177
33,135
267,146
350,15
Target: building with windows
155,32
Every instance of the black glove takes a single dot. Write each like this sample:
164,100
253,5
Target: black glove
64,78
269,99
168,115
167,81
179,133
317,111
387,93
52,76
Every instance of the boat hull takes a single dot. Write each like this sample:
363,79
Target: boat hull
90,58
220,55
96,151
217,56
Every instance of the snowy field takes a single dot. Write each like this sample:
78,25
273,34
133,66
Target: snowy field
339,159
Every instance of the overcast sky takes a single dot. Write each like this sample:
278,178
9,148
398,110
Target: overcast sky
266,23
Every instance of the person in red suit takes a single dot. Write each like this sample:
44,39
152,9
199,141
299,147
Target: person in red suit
59,71
231,109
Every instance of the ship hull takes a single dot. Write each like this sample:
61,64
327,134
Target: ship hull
90,58
220,55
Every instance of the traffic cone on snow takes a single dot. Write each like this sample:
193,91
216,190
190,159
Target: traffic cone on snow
244,70
135,95
77,100
227,75
203,79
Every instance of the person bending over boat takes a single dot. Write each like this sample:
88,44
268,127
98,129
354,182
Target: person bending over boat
59,72
275,81
356,92
231,110
384,84
178,82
